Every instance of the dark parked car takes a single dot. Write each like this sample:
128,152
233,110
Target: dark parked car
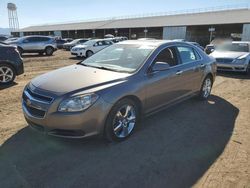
35,44
60,43
11,64
110,91
67,46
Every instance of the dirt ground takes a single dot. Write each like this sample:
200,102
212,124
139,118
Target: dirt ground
193,144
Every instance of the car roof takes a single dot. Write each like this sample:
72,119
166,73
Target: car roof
152,42
41,36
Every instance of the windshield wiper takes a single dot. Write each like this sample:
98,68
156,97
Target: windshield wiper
98,67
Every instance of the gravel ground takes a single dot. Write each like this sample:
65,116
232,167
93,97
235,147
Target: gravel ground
199,144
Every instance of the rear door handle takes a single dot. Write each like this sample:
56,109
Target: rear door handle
179,72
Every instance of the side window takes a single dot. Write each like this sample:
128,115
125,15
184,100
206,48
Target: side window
44,39
30,39
167,55
101,43
107,42
188,54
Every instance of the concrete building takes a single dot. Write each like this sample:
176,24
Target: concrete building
197,25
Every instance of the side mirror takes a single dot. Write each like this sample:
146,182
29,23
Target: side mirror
160,66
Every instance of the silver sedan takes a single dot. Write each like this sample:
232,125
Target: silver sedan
233,56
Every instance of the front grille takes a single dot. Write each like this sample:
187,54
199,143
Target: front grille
39,97
35,112
34,102
224,68
224,60
67,133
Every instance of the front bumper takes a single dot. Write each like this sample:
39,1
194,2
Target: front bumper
46,119
78,53
234,67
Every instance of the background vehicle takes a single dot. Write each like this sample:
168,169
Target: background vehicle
11,64
146,39
35,44
60,43
3,38
118,39
233,56
11,39
91,47
67,46
109,92
198,45
209,48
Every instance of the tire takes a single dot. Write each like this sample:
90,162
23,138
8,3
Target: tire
120,125
248,69
7,74
206,88
49,51
89,53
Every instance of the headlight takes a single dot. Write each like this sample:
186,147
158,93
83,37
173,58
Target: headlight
240,60
78,103
80,49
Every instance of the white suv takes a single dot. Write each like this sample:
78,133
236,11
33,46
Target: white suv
91,47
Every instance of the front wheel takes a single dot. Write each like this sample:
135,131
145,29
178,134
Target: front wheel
206,88
7,74
89,53
121,121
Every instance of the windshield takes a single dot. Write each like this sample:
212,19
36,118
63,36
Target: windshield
89,43
234,47
120,57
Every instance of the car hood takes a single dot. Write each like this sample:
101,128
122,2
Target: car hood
81,46
230,55
76,77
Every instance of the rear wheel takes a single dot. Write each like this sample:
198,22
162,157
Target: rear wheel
7,74
122,120
206,88
49,51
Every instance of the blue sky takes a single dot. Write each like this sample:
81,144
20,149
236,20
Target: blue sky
34,12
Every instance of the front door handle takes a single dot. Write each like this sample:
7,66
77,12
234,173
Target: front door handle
179,72
202,65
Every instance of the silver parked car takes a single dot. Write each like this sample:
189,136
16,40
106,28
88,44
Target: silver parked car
233,56
35,44
110,91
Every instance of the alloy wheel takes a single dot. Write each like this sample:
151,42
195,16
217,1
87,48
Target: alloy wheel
6,74
124,121
207,87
